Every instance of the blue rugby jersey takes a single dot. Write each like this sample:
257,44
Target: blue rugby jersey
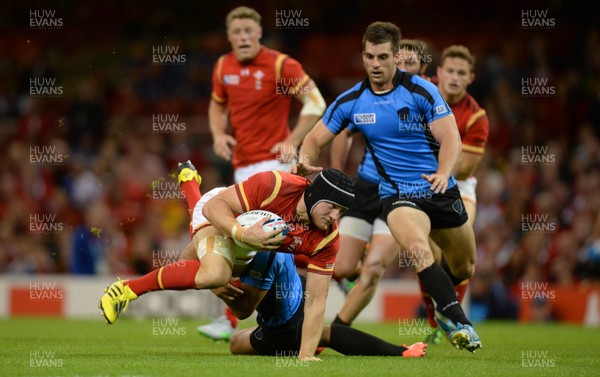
284,287
366,168
396,128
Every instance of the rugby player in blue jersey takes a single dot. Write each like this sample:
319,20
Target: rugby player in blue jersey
412,135
271,286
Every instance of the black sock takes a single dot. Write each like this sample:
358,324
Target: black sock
455,281
439,286
338,321
350,341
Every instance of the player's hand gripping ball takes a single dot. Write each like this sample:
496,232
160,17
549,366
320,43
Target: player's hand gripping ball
250,218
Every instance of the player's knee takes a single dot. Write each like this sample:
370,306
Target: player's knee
209,278
465,270
372,273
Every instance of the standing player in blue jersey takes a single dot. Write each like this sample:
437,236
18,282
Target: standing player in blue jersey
413,138
364,222
271,286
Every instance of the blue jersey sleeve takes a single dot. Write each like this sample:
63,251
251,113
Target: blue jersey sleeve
258,273
438,107
338,114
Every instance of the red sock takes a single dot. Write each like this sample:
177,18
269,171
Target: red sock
461,289
231,317
177,276
192,194
429,306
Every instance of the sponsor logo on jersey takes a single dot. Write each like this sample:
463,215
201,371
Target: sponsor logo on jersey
368,118
231,79
255,274
441,109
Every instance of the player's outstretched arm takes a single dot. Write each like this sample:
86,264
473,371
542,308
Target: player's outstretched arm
242,299
340,146
312,145
312,110
315,300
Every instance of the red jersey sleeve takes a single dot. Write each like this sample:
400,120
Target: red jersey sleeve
477,133
322,260
218,92
292,75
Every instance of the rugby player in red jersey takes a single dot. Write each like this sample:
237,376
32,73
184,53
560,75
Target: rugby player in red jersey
309,208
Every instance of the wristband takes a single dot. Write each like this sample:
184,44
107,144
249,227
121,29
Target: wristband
237,232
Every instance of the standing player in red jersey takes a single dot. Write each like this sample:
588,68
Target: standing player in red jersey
309,208
253,88
454,74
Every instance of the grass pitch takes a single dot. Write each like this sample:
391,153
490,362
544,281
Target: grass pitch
171,347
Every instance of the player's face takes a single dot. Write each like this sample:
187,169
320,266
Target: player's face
380,63
324,214
244,36
409,61
454,76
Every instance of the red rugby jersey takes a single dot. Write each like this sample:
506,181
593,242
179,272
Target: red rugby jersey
258,94
280,192
473,124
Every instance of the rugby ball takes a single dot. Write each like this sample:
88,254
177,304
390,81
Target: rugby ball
250,218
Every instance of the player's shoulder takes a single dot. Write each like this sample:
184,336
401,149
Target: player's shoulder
471,103
414,83
353,93
290,178
279,178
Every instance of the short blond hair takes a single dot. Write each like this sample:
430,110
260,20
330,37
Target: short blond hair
242,12
458,51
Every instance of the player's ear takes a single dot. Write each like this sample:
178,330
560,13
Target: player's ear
260,32
471,77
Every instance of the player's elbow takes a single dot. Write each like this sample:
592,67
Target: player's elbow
313,103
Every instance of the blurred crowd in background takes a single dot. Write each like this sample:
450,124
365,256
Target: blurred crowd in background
87,180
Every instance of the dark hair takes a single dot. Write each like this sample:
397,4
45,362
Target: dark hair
381,32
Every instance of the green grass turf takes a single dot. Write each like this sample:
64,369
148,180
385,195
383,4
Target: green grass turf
59,347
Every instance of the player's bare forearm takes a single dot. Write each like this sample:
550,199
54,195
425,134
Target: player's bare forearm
220,211
311,147
217,121
217,118
467,165
340,146
446,133
302,128
317,287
